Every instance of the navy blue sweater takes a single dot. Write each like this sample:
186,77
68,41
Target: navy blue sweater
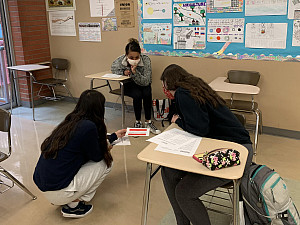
56,174
207,121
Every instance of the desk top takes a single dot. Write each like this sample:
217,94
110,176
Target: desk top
28,67
99,76
187,163
219,84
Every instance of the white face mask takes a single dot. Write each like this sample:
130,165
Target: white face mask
133,62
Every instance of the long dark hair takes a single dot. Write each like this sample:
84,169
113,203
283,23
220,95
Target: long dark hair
175,76
132,46
90,106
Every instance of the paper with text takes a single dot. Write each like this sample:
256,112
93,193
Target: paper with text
176,141
111,75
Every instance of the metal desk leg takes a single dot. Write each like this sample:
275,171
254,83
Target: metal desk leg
11,89
146,194
236,194
32,97
92,84
123,104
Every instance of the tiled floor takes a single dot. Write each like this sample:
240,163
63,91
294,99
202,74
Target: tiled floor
118,200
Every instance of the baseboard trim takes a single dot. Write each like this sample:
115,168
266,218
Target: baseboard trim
281,132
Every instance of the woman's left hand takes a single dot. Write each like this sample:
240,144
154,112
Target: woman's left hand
174,118
133,69
121,133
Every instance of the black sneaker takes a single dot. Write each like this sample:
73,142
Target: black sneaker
138,124
79,211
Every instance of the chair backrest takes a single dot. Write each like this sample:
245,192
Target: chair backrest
243,77
241,118
5,123
60,64
5,120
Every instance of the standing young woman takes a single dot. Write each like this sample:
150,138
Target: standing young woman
76,157
201,111
138,67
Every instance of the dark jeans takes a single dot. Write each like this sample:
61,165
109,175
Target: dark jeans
184,189
140,95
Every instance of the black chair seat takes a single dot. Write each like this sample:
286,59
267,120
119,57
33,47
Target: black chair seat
3,156
241,105
50,81
116,91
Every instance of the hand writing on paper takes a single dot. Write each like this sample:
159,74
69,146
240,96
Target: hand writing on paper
127,72
133,69
174,118
121,133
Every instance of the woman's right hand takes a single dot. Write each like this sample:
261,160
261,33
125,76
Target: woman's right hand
127,73
121,133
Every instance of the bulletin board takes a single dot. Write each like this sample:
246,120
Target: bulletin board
235,29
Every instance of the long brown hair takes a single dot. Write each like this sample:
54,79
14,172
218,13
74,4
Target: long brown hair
90,106
175,76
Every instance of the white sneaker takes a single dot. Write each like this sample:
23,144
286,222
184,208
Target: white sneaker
153,128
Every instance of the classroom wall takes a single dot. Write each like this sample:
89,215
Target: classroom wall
278,100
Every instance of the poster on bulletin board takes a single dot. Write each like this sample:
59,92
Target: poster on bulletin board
235,29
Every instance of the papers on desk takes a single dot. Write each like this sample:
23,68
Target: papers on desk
176,141
122,141
111,75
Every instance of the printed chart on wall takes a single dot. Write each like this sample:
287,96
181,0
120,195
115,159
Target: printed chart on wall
235,29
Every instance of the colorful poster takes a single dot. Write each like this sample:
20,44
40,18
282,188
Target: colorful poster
184,0
266,35
109,24
225,30
89,32
157,33
221,6
60,5
157,9
294,9
62,23
265,7
189,38
296,33
189,14
125,13
102,8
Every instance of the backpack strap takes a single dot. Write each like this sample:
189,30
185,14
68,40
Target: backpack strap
162,110
268,217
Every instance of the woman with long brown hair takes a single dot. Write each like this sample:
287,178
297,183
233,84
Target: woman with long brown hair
76,157
201,111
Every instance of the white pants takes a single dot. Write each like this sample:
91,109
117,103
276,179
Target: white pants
83,186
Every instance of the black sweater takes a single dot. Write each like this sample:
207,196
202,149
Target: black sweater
56,174
206,121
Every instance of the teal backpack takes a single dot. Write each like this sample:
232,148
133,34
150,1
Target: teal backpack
266,198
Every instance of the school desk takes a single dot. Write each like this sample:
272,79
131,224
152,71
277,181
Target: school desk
121,80
29,68
189,164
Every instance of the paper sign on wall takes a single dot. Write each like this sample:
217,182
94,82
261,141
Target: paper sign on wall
125,13
102,8
157,33
62,23
157,9
189,14
189,37
225,30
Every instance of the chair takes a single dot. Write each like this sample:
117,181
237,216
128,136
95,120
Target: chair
5,123
244,106
59,66
118,93
220,200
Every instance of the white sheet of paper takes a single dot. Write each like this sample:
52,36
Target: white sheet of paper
111,75
265,7
138,131
62,23
122,141
102,8
294,9
176,141
222,3
157,9
266,35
